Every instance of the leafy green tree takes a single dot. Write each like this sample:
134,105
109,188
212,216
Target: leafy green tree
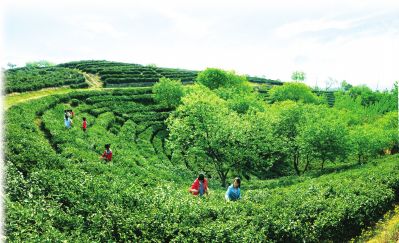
324,136
294,92
241,98
367,141
199,127
354,111
286,124
366,95
389,127
298,76
308,132
214,78
345,86
264,148
168,91
385,101
203,126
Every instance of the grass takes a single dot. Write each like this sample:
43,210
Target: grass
387,230
93,80
16,98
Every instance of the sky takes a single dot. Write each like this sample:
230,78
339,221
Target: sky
331,41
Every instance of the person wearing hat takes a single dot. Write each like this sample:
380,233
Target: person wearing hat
199,186
233,193
107,155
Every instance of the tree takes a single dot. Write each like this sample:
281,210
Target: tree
345,86
367,141
294,92
386,101
298,76
241,98
389,127
11,65
355,112
330,83
307,132
203,126
366,95
199,126
323,136
289,117
214,78
263,147
168,92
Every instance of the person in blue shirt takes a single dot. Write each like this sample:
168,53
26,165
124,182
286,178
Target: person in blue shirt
233,192
67,121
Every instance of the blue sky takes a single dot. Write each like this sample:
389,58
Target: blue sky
356,41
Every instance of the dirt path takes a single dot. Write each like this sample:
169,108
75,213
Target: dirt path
93,80
16,98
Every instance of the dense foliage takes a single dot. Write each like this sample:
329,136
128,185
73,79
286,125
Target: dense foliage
36,77
295,92
168,92
58,190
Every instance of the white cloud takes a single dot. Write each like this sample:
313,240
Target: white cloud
102,28
184,24
292,29
351,40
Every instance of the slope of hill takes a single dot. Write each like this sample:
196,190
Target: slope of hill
127,74
57,188
101,73
35,78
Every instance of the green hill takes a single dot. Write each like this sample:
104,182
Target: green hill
57,188
111,74
36,78
128,74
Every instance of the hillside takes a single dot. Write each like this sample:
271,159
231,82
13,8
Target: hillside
107,74
128,74
58,189
36,78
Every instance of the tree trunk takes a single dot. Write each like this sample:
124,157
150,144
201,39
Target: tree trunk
307,164
223,177
296,164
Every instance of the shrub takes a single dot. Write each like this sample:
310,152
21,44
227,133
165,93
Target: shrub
168,92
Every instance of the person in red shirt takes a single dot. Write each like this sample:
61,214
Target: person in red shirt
84,125
107,155
199,186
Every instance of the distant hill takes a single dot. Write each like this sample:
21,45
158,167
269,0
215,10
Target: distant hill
36,78
130,74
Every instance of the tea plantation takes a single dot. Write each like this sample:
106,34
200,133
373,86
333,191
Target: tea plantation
35,78
129,74
57,188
